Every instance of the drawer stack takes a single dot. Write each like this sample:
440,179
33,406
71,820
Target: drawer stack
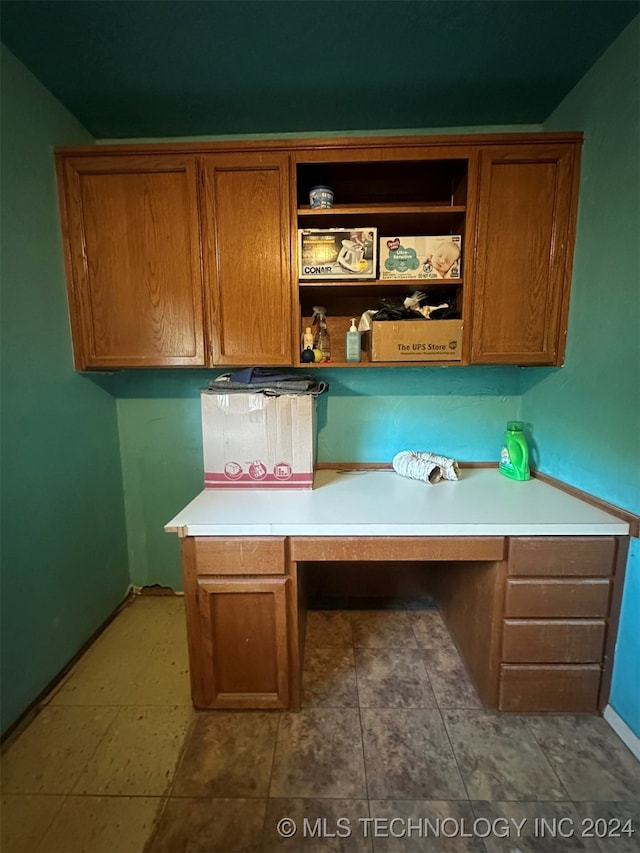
557,601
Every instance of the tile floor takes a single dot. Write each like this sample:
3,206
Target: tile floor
391,752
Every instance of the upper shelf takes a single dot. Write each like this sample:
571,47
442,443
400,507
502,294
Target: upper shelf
374,209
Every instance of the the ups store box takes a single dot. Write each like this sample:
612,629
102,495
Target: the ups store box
415,340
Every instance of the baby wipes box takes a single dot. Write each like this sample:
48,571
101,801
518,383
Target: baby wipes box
419,258
253,441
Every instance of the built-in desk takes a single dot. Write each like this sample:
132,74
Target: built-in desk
528,579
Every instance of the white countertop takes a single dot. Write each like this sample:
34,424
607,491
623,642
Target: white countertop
382,503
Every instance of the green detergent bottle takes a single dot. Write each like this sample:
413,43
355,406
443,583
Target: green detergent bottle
514,457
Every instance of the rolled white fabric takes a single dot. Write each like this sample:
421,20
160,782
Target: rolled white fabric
429,467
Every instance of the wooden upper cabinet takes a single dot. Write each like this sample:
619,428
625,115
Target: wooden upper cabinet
181,254
133,260
526,211
247,256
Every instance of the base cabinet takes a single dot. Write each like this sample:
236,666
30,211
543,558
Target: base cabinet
536,629
242,632
238,602
556,621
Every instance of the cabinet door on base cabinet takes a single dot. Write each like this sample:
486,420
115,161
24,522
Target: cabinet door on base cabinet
243,654
246,241
131,229
527,203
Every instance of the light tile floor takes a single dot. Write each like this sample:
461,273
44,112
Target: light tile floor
392,751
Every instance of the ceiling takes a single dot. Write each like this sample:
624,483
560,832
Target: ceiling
159,68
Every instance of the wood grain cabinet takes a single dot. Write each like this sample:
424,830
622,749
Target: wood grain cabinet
526,209
178,260
534,618
556,615
187,254
237,600
133,260
246,252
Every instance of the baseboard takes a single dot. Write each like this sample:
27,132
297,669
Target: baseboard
630,740
34,707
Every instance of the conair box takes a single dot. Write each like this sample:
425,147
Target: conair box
337,253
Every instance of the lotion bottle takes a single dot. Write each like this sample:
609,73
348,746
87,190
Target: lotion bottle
352,343
307,338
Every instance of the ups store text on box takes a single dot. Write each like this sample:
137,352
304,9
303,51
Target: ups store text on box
253,441
415,340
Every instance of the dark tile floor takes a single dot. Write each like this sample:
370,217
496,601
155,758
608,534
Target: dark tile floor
392,751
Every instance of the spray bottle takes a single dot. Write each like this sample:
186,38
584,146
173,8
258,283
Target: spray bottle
321,337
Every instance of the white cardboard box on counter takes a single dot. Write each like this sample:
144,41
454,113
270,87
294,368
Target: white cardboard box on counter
253,441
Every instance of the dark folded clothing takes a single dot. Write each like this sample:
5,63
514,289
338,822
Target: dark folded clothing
260,375
265,380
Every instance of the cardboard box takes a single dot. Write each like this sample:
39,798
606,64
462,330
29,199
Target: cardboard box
330,253
251,441
415,340
418,258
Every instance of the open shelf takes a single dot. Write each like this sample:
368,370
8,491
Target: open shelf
399,198
380,284
375,209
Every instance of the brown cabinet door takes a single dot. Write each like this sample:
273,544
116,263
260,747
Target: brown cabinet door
527,198
242,643
246,238
133,256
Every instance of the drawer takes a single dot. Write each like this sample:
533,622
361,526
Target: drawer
395,548
586,556
553,640
240,555
563,689
557,598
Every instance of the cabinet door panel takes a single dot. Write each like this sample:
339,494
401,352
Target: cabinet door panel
247,257
244,655
525,222
134,257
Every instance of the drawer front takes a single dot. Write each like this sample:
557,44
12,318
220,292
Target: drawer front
240,555
563,689
553,641
395,548
585,556
557,598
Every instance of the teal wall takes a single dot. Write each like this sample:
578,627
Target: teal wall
586,416
64,559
